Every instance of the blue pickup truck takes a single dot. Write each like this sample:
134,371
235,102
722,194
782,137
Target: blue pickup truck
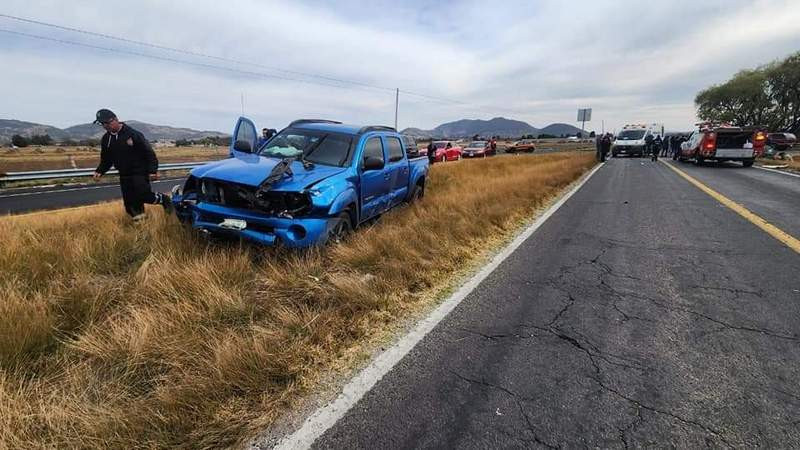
313,182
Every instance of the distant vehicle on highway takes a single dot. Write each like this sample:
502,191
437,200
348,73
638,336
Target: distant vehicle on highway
720,143
522,146
447,151
477,149
313,182
631,140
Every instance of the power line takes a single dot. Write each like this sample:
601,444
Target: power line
189,52
328,79
164,58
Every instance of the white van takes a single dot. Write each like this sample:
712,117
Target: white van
631,140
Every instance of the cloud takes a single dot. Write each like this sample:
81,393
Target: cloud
535,61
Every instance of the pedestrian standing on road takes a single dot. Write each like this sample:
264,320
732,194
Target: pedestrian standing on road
431,153
493,145
597,143
665,146
655,148
605,146
131,154
648,144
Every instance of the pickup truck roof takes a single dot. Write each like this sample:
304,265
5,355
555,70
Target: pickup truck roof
329,125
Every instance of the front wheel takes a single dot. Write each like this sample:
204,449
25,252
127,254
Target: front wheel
342,228
444,158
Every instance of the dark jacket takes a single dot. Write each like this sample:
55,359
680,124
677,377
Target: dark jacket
128,151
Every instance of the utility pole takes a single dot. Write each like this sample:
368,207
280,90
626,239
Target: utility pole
242,98
396,104
603,126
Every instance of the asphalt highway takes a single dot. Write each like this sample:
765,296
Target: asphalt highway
17,201
643,313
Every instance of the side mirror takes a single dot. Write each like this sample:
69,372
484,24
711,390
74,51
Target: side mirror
243,146
373,163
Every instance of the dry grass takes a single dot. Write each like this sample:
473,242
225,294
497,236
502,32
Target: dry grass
121,336
45,158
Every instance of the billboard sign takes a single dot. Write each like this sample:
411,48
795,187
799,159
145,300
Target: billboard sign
585,115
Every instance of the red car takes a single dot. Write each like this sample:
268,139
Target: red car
447,151
723,143
477,149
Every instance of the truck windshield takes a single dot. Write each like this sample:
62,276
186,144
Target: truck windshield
631,135
475,144
320,147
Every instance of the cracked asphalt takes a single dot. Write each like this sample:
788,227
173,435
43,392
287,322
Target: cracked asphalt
642,313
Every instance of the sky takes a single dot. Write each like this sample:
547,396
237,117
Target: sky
537,61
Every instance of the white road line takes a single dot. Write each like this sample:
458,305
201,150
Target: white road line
105,186
782,172
327,416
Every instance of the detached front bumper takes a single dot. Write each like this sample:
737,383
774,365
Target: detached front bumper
258,228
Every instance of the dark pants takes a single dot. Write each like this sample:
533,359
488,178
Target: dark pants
136,191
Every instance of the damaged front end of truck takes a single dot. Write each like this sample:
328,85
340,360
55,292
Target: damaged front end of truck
264,200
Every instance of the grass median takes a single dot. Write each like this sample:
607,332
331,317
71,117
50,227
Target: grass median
115,335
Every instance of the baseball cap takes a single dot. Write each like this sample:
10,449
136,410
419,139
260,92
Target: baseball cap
104,115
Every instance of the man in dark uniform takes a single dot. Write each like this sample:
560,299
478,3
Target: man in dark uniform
131,154
605,146
431,153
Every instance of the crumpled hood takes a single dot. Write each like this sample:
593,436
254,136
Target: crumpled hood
251,170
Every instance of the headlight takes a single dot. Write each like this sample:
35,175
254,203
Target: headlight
176,190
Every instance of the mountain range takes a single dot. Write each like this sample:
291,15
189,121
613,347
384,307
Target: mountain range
9,128
499,126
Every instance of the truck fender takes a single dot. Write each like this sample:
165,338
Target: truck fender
344,200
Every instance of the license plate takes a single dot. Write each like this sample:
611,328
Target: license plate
471,154
233,224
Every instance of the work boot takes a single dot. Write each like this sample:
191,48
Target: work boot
139,218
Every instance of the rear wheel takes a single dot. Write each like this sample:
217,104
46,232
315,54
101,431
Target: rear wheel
416,194
444,158
747,163
698,160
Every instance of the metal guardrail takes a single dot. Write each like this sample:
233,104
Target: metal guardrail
70,173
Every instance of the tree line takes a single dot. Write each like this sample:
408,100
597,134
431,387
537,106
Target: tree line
768,96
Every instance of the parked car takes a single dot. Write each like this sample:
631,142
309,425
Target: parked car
447,151
523,146
723,143
313,182
477,149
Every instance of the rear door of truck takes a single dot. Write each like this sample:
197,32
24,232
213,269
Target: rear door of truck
734,144
396,170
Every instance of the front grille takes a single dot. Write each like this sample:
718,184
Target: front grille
246,197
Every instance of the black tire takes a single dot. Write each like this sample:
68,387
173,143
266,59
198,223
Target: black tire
416,194
698,160
342,228
747,163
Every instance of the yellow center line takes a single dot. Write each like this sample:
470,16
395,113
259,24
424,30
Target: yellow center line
789,240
